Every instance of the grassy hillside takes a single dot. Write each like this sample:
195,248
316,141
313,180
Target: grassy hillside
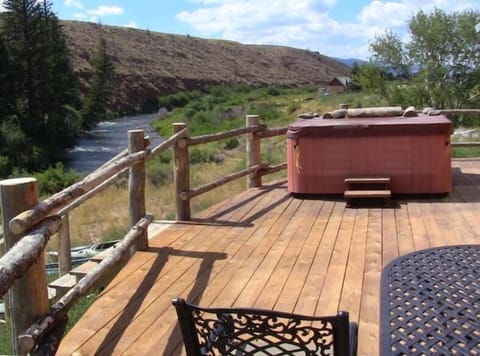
150,64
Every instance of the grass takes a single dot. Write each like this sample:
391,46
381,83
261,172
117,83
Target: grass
5,339
466,152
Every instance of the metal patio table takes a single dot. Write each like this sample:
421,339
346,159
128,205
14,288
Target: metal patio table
430,302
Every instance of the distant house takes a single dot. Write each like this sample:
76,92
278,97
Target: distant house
338,85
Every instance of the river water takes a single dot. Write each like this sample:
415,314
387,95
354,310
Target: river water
99,145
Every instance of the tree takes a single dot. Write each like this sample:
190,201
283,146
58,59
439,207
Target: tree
442,58
44,83
389,52
7,94
61,93
371,78
98,96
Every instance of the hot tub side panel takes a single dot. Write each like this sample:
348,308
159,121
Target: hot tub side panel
415,163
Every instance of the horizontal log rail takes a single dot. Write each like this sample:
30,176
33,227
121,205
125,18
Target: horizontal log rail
33,336
224,135
28,218
219,182
24,253
273,169
274,131
255,167
102,186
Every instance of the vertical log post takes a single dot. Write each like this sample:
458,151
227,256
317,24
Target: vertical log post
136,185
64,255
182,174
28,297
253,152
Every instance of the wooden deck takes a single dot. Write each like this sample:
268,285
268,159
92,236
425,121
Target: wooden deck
266,249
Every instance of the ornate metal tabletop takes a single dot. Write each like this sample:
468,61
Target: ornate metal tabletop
431,302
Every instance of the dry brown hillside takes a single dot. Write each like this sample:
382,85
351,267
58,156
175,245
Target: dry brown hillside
150,64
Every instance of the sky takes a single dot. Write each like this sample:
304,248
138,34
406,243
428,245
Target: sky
336,28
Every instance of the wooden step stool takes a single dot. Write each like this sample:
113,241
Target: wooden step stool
367,187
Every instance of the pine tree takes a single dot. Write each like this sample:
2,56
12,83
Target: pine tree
44,84
62,94
23,39
7,94
95,103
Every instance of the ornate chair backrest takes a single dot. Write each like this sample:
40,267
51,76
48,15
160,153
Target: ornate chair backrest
241,331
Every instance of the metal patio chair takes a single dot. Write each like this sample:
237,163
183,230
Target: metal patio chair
244,331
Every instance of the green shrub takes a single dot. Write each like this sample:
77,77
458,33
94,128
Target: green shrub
291,108
199,155
174,101
165,157
159,173
54,179
231,143
5,166
273,91
268,112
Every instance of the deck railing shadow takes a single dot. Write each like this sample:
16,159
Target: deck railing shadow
128,313
465,189
249,220
195,293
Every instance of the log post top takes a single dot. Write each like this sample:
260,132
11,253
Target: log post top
177,126
17,181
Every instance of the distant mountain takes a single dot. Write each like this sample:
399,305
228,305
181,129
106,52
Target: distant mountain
150,64
349,61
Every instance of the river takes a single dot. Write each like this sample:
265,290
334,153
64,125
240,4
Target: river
108,138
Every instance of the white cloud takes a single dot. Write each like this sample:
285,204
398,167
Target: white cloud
104,10
131,24
308,23
79,16
73,3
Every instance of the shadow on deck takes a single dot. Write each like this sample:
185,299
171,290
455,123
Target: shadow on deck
266,249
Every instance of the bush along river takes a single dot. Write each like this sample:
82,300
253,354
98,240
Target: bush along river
107,139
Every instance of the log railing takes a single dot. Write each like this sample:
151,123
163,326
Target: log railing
29,223
254,171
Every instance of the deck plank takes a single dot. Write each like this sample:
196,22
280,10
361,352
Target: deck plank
352,296
417,224
332,287
370,307
405,240
389,236
266,249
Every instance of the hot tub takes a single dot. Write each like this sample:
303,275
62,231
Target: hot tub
415,153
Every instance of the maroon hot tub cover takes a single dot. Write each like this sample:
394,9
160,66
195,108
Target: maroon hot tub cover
414,152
